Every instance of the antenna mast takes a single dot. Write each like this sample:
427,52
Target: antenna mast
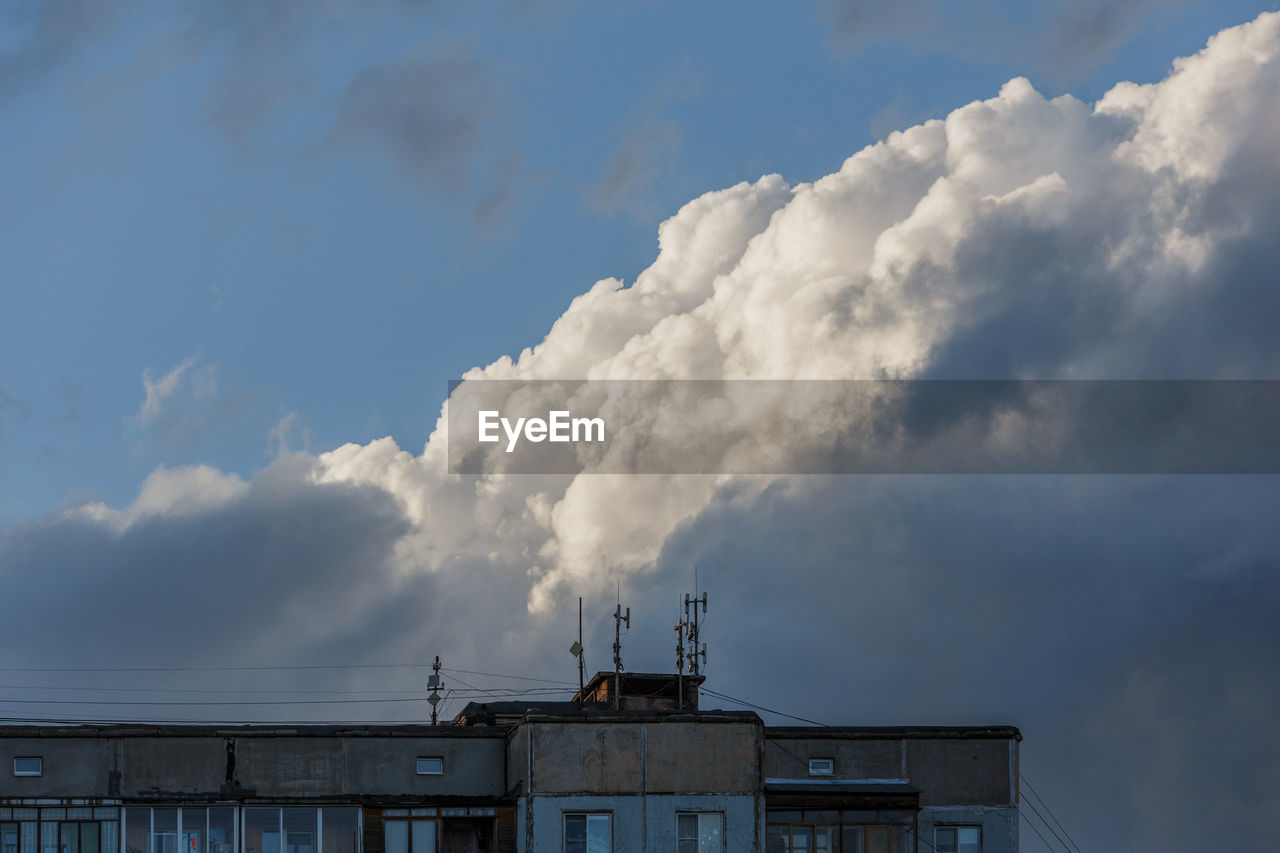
680,628
433,681
697,653
577,651
618,619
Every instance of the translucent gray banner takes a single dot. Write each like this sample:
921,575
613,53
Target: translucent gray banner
864,427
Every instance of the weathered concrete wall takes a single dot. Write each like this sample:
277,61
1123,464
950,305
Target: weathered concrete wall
73,767
999,825
264,767
947,770
962,772
854,759
269,767
387,766
643,823
655,756
598,758
518,759
689,757
171,766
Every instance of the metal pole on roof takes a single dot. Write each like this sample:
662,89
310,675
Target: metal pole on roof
618,619
433,681
697,653
680,663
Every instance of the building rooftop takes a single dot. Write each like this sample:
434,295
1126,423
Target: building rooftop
915,732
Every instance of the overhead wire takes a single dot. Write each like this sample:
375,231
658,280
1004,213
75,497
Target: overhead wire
509,691
1037,796
923,840
1040,834
501,675
1046,824
206,703
194,690
747,704
131,720
254,668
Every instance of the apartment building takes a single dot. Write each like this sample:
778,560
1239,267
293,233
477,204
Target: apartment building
633,764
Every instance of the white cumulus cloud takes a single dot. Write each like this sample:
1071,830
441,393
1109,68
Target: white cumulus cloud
1020,236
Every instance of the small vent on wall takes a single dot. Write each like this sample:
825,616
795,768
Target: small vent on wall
822,766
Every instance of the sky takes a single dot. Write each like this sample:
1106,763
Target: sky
243,250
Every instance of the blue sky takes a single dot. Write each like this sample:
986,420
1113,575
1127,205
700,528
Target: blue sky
244,248
222,185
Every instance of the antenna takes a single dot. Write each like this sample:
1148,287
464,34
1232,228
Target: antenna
697,657
433,681
576,650
618,619
680,629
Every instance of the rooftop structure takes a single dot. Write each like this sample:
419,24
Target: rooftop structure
514,777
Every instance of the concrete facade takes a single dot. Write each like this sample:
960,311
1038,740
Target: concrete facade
642,769
511,786
934,777
253,764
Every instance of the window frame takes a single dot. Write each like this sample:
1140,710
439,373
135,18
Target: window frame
698,837
242,824
586,815
418,765
956,827
409,820
783,825
39,771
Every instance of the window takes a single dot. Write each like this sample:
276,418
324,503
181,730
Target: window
822,766
410,836
430,766
701,832
298,829
33,766
957,839
802,838
178,830
840,831
587,833
80,829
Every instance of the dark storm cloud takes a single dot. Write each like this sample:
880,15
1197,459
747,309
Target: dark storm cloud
205,571
276,569
1125,624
